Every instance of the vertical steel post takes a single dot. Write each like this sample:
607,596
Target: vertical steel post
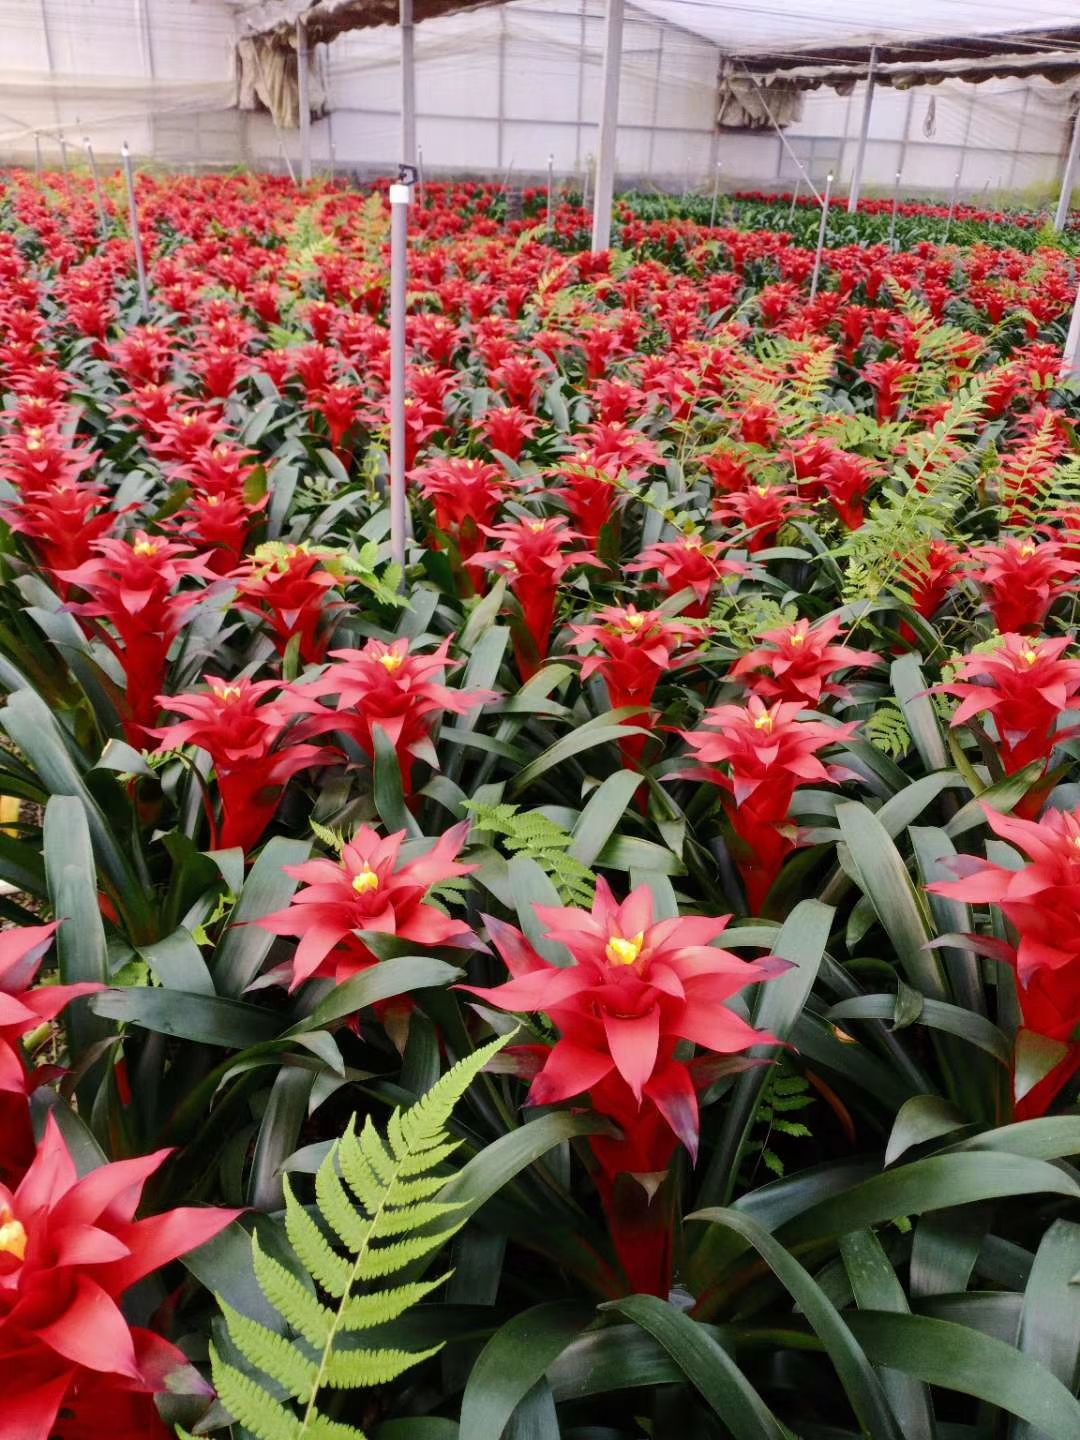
303,100
37,153
136,234
408,84
794,198
1061,214
821,236
895,202
400,197
550,193
420,187
715,193
864,132
609,125
952,208
102,220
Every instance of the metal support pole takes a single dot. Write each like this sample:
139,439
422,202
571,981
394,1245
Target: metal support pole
715,194
1061,214
952,208
821,236
1070,363
408,84
892,218
794,198
303,101
102,221
37,153
136,234
551,194
864,132
420,187
400,197
609,125
63,151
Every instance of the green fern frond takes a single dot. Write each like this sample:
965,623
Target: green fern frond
918,503
375,1214
887,731
544,842
333,839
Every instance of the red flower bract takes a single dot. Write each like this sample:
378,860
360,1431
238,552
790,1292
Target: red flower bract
69,1250
798,662
769,753
638,988
242,733
388,688
1041,902
369,888
23,1009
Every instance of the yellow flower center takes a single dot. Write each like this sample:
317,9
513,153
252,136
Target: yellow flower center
1027,549
635,622
12,1236
230,692
391,662
33,445
798,639
1030,656
762,490
366,881
763,722
536,526
144,548
624,952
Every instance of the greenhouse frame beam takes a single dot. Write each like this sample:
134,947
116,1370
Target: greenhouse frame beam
918,52
1068,179
609,125
864,132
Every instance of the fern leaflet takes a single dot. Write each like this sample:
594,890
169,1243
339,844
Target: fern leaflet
376,1213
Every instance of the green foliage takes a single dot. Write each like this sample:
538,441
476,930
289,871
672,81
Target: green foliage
918,504
376,1215
786,1093
532,834
887,730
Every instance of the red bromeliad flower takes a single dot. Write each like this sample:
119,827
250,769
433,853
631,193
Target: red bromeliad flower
388,688
369,888
340,406
23,1009
637,648
289,587
1026,686
590,492
640,988
689,563
890,380
847,479
63,522
242,733
1021,580
535,556
69,1250
762,511
800,663
929,577
135,588
509,429
466,495
221,525
769,753
1042,904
